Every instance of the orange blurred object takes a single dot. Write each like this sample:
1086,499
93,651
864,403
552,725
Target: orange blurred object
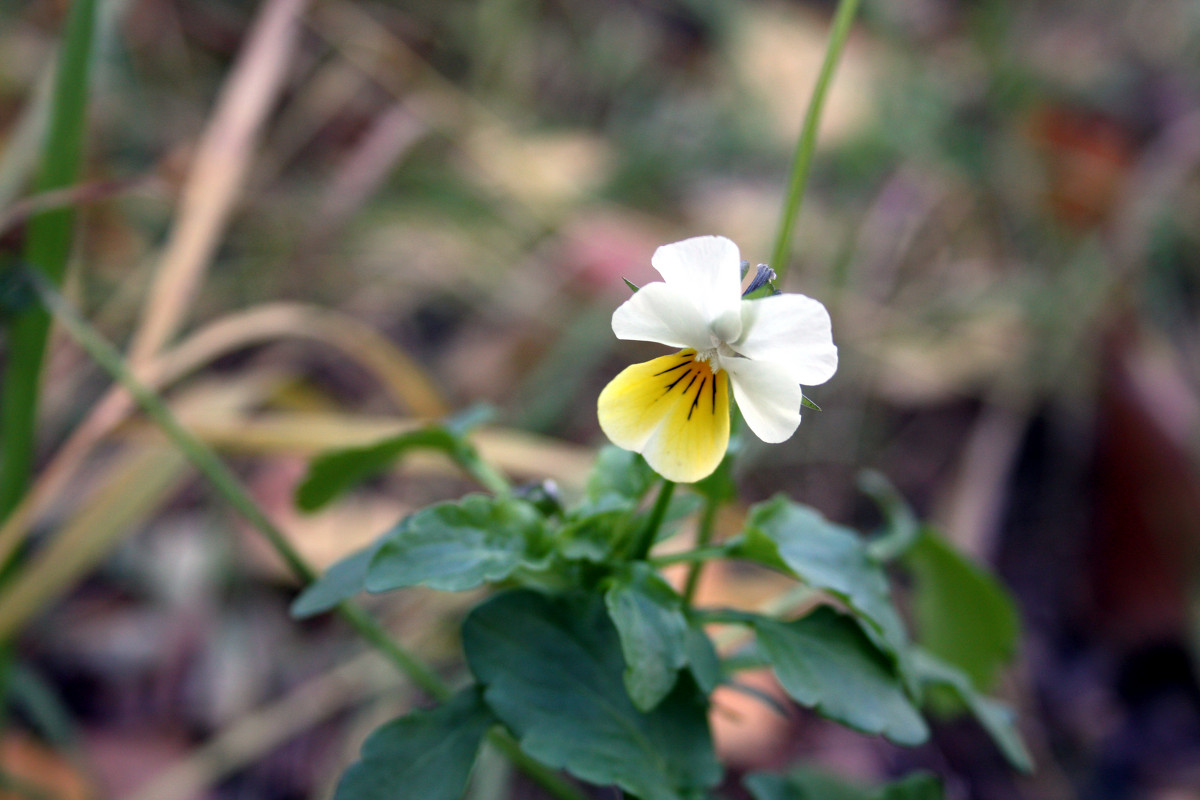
1088,157
28,765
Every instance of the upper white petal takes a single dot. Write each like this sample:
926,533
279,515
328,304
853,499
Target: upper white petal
709,270
790,330
659,312
767,395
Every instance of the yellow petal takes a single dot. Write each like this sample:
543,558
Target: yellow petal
674,411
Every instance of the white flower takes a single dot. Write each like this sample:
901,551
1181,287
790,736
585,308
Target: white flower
674,410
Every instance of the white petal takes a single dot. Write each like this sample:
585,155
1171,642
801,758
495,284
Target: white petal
661,313
768,396
709,270
790,330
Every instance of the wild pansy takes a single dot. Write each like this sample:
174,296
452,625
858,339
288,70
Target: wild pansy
674,410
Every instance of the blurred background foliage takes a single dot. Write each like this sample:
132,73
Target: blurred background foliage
361,214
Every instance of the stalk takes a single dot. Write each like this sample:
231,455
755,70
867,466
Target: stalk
806,144
646,536
703,538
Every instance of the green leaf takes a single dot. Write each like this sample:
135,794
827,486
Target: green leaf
917,786
633,287
333,473
702,659
995,717
812,784
807,402
597,530
825,661
962,614
826,556
39,701
427,754
801,785
648,615
341,581
470,418
458,545
553,672
901,528
592,531
619,472
337,471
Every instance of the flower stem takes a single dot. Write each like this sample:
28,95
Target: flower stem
231,489
488,476
707,524
695,556
554,783
806,144
648,534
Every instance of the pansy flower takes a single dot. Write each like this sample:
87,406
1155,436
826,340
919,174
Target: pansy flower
674,410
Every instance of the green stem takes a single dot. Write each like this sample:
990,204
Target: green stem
231,489
707,524
696,556
488,476
553,782
649,533
806,144
724,616
370,630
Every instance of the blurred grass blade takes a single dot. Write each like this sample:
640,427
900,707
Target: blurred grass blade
138,484
522,455
21,146
398,373
265,728
75,195
223,157
48,245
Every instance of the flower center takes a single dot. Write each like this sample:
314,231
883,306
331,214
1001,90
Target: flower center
713,355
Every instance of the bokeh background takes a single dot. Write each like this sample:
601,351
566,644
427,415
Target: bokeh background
374,212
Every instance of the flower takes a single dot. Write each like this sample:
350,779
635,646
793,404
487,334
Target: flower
674,410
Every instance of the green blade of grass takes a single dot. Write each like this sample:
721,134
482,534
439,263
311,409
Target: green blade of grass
48,246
